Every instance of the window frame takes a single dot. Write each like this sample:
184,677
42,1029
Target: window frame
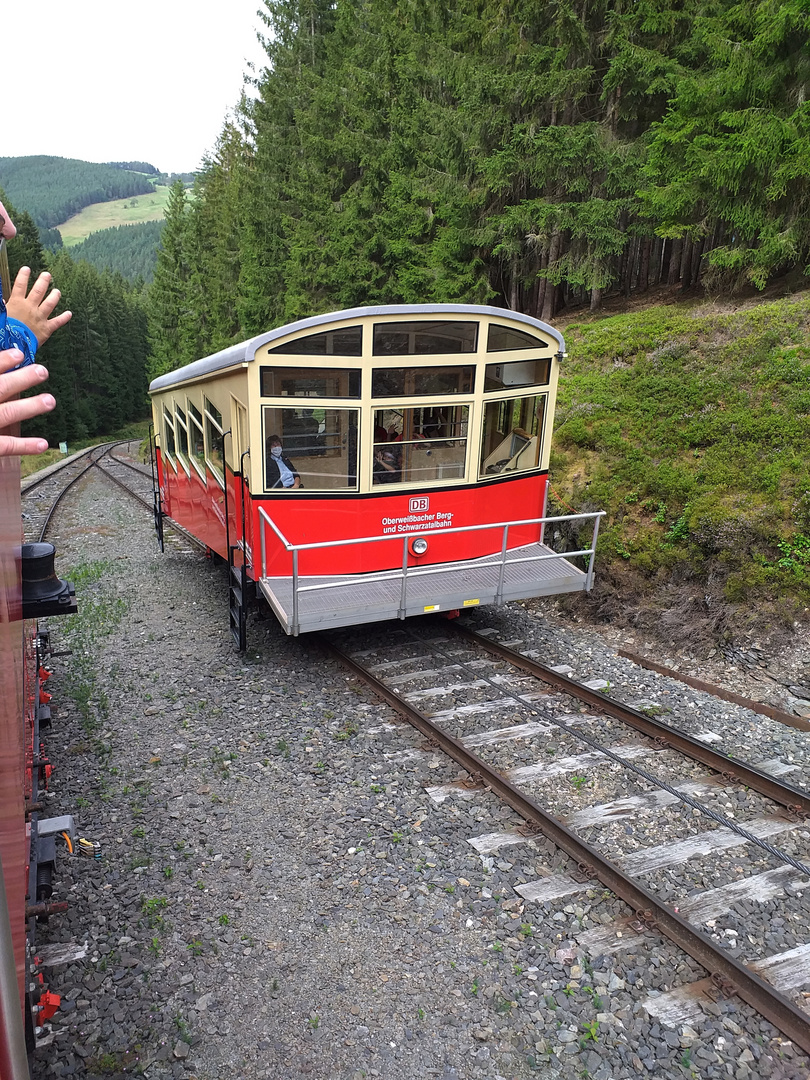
209,419
431,442
515,387
287,348
536,354
424,370
398,325
272,369
181,422
192,412
508,400
493,325
168,425
295,405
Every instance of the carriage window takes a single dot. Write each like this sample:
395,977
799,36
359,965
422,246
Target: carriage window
214,413
418,382
181,432
194,412
517,373
318,447
311,382
213,439
513,435
168,431
424,338
420,446
503,338
213,448
348,341
196,440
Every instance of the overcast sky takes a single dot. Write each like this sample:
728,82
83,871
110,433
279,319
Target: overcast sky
104,80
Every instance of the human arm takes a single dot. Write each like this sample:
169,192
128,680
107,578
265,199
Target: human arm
12,412
35,308
296,478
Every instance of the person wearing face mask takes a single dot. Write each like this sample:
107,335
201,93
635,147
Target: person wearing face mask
280,470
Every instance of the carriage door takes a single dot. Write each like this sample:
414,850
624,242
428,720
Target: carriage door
239,424
239,553
241,445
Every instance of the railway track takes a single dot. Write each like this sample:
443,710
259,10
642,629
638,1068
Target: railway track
592,775
495,704
42,496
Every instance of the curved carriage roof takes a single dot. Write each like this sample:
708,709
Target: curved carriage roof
245,351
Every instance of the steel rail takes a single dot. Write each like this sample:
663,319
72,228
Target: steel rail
793,799
144,502
139,469
789,719
29,484
106,451
43,531
732,976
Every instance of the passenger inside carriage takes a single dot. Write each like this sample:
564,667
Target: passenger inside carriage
280,471
387,466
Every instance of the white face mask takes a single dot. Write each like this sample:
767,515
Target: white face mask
275,451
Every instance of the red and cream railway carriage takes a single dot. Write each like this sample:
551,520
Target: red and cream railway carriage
370,464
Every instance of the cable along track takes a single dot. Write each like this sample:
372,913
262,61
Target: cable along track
469,677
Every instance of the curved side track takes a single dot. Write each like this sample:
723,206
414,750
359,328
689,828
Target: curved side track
67,486
29,483
730,975
789,719
70,472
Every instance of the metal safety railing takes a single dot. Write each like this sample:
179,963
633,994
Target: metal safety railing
408,573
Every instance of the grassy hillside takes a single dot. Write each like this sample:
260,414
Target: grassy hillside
52,189
690,426
107,215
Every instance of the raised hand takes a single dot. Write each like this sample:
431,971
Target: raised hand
35,308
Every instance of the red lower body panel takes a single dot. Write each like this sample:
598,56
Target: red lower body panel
305,518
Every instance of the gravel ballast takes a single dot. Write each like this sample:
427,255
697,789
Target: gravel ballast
278,896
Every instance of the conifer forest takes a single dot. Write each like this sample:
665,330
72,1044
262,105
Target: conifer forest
97,363
52,189
537,155
547,156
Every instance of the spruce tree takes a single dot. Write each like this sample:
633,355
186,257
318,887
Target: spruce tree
169,311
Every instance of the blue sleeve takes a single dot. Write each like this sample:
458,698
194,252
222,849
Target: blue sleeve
14,334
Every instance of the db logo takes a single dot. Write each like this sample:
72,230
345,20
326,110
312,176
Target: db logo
417,506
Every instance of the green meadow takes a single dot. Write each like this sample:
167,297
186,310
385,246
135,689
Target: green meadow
106,215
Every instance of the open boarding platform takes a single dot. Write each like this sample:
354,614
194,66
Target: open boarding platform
308,603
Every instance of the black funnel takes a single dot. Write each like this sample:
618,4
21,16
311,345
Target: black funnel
43,593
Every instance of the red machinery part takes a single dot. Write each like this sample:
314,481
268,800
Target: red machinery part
48,1005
